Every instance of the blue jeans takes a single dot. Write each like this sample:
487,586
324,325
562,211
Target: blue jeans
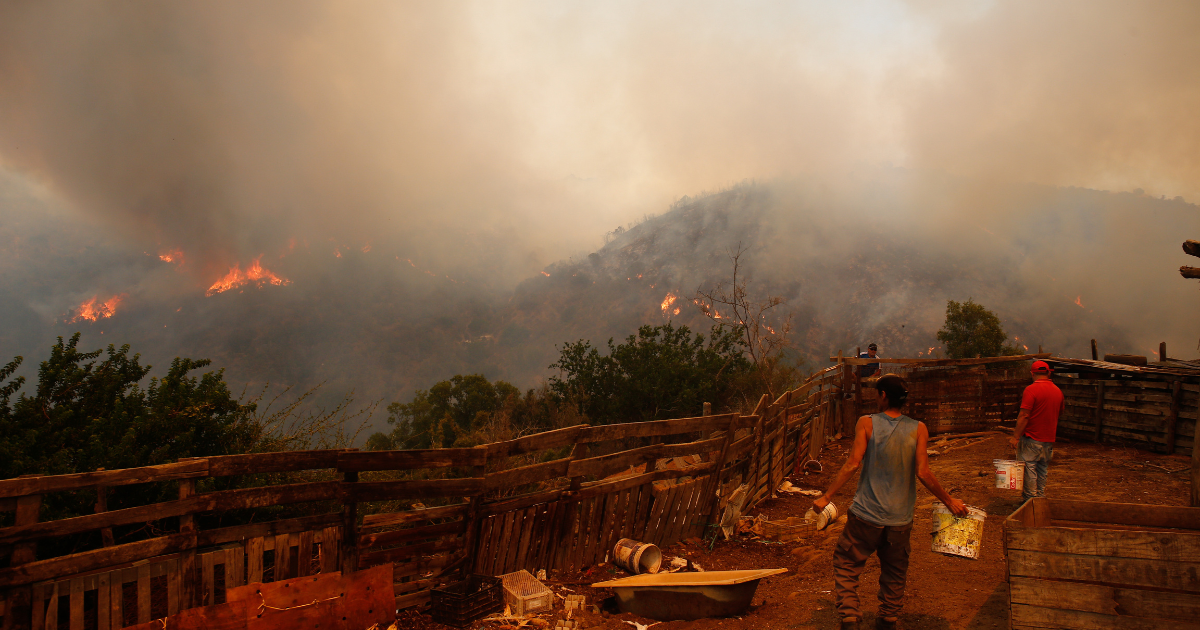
1036,456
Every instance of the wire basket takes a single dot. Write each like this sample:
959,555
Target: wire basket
462,602
525,594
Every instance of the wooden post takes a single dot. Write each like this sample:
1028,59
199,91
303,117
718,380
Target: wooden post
714,514
1099,409
707,409
1196,466
187,558
106,534
472,522
1162,351
1095,355
1173,416
28,512
349,528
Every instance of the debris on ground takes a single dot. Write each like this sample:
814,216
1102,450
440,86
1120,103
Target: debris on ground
787,486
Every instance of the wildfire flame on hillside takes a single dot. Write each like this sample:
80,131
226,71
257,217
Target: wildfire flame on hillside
255,274
667,302
172,256
94,309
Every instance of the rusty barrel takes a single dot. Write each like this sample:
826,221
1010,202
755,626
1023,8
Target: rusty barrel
637,557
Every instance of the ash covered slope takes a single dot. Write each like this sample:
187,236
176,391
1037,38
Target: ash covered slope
874,256
871,256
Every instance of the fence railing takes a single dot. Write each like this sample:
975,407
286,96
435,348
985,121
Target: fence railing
554,500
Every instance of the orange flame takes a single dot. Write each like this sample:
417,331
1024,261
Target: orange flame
545,274
1078,301
94,309
667,302
175,255
255,274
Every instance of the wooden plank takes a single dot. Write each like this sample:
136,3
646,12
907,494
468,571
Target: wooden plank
254,560
1099,411
396,519
304,554
52,607
103,605
1105,600
426,532
409,552
412,600
644,507
1024,616
234,567
499,506
173,586
525,475
523,561
75,617
283,558
424,565
348,550
1111,543
206,593
361,461
654,428
240,533
1183,576
602,487
661,500
530,443
366,491
285,461
184,508
330,562
1136,514
41,484
580,531
616,462
542,535
479,558
941,362
504,545
603,529
143,593
1195,499
116,600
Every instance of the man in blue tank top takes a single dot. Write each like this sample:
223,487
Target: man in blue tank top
890,448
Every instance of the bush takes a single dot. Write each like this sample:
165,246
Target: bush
972,330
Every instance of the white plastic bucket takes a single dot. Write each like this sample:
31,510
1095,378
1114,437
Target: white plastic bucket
1010,475
958,536
637,557
827,516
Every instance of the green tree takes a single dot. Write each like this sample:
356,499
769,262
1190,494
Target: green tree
662,372
90,412
440,416
972,330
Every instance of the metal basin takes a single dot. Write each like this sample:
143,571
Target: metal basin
671,596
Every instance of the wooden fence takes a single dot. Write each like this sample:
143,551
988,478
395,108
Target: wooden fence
1151,415
555,500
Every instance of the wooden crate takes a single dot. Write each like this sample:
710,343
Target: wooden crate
1084,564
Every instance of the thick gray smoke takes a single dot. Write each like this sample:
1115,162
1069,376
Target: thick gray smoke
405,165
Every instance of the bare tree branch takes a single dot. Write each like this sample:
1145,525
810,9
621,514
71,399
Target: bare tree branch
730,305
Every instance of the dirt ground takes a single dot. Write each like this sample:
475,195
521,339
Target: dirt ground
943,592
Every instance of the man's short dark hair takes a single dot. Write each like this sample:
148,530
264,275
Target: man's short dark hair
892,386
872,347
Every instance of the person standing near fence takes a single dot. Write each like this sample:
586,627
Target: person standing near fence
867,370
1041,406
890,447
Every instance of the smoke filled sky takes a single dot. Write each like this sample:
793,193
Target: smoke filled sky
521,132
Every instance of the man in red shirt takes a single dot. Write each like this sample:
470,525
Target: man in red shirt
1041,405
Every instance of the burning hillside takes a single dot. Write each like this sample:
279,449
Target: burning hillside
95,309
254,274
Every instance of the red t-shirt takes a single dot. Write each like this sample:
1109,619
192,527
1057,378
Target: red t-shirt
1044,402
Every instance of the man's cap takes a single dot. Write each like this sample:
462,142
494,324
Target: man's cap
1041,367
872,347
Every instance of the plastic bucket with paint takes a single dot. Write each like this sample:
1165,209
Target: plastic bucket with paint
1010,474
958,536
637,557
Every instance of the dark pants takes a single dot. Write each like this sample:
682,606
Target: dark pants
859,540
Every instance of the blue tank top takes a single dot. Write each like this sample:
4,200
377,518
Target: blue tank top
887,485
